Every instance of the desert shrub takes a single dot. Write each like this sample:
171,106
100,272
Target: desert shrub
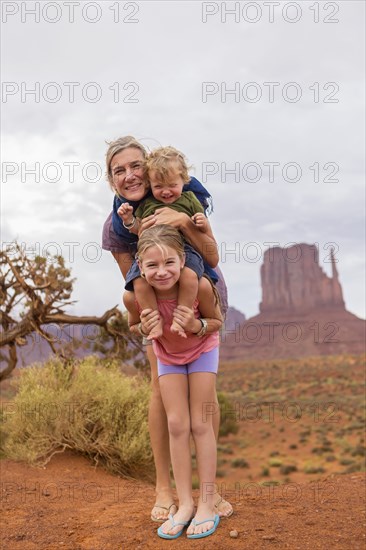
359,450
228,420
275,462
287,469
225,449
353,468
310,469
330,458
239,463
346,461
93,410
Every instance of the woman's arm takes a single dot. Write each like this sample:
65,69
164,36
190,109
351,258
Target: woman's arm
204,243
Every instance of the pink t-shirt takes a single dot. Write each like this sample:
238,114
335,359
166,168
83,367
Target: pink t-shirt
172,349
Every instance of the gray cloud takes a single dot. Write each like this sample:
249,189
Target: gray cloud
169,54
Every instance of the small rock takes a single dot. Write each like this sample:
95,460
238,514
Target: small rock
234,534
268,537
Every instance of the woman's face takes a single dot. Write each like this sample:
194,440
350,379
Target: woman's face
128,174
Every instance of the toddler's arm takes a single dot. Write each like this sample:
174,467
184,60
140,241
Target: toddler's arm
201,222
125,212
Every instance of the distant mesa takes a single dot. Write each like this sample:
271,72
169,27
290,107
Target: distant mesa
292,280
302,311
234,316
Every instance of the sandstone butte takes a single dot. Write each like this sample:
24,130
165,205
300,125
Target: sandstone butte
302,312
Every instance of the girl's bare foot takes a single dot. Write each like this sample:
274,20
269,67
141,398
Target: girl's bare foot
203,520
184,515
156,332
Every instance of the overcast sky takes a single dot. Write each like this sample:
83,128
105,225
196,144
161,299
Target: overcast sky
291,131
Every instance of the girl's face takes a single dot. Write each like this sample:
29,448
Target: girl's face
161,267
128,174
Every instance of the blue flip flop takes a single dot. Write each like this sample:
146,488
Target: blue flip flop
171,537
216,521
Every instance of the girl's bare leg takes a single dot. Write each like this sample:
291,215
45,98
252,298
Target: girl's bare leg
174,392
202,389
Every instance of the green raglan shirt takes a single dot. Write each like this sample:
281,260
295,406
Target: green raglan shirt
187,203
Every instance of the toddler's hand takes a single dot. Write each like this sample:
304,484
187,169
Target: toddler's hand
201,221
125,211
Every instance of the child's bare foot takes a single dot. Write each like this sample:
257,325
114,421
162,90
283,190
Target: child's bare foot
156,332
176,523
177,329
204,520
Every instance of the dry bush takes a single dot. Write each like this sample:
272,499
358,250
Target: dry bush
85,407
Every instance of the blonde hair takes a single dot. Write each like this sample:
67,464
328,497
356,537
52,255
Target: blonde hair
161,161
162,236
117,146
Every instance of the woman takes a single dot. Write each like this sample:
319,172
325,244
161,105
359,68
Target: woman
125,172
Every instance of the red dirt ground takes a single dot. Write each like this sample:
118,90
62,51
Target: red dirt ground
71,504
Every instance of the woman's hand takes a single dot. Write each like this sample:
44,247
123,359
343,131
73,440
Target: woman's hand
150,319
166,216
185,318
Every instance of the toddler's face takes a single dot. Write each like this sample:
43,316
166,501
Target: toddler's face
168,191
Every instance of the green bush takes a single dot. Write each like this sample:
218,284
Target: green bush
85,407
239,463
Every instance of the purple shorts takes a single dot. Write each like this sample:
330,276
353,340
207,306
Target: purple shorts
207,362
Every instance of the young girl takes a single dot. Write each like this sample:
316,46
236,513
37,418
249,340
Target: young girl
187,374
